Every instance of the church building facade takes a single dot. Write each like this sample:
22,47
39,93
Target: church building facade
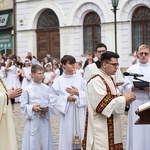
75,27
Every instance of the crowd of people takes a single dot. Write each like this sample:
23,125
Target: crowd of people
89,100
17,74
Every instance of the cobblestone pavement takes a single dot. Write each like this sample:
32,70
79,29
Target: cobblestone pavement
20,120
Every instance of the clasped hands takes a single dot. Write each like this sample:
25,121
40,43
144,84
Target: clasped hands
42,110
72,91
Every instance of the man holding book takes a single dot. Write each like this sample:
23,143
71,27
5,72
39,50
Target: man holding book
138,135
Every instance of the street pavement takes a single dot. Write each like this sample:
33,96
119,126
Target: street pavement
19,121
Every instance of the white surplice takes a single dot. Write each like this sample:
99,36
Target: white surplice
137,135
70,122
97,128
7,128
37,131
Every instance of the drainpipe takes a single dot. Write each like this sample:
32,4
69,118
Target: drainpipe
14,26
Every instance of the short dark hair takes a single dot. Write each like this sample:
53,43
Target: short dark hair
68,58
106,57
91,54
100,45
14,57
36,67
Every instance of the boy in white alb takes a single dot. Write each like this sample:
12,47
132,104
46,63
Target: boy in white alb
138,135
66,90
36,108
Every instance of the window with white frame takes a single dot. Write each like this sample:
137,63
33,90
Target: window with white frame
140,27
91,32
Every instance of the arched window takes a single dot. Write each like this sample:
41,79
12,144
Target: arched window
140,27
48,19
91,32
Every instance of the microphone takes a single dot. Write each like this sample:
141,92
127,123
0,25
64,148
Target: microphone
132,74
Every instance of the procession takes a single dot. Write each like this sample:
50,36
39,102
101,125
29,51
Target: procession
81,98
74,75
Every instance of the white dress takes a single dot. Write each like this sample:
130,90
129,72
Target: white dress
80,72
2,74
18,85
57,73
70,122
37,130
12,77
27,79
137,135
47,77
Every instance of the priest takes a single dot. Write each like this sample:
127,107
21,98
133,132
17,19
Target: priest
105,104
7,129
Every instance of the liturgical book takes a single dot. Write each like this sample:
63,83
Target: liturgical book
141,84
144,106
144,114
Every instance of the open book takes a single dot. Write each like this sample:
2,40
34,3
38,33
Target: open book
144,106
144,114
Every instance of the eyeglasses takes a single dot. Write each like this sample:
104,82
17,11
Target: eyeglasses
113,64
102,51
143,53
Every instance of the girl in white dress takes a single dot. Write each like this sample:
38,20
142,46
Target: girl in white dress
48,75
12,80
12,74
45,61
79,69
2,72
56,69
26,74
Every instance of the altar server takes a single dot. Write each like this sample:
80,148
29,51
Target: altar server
36,108
69,98
138,135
